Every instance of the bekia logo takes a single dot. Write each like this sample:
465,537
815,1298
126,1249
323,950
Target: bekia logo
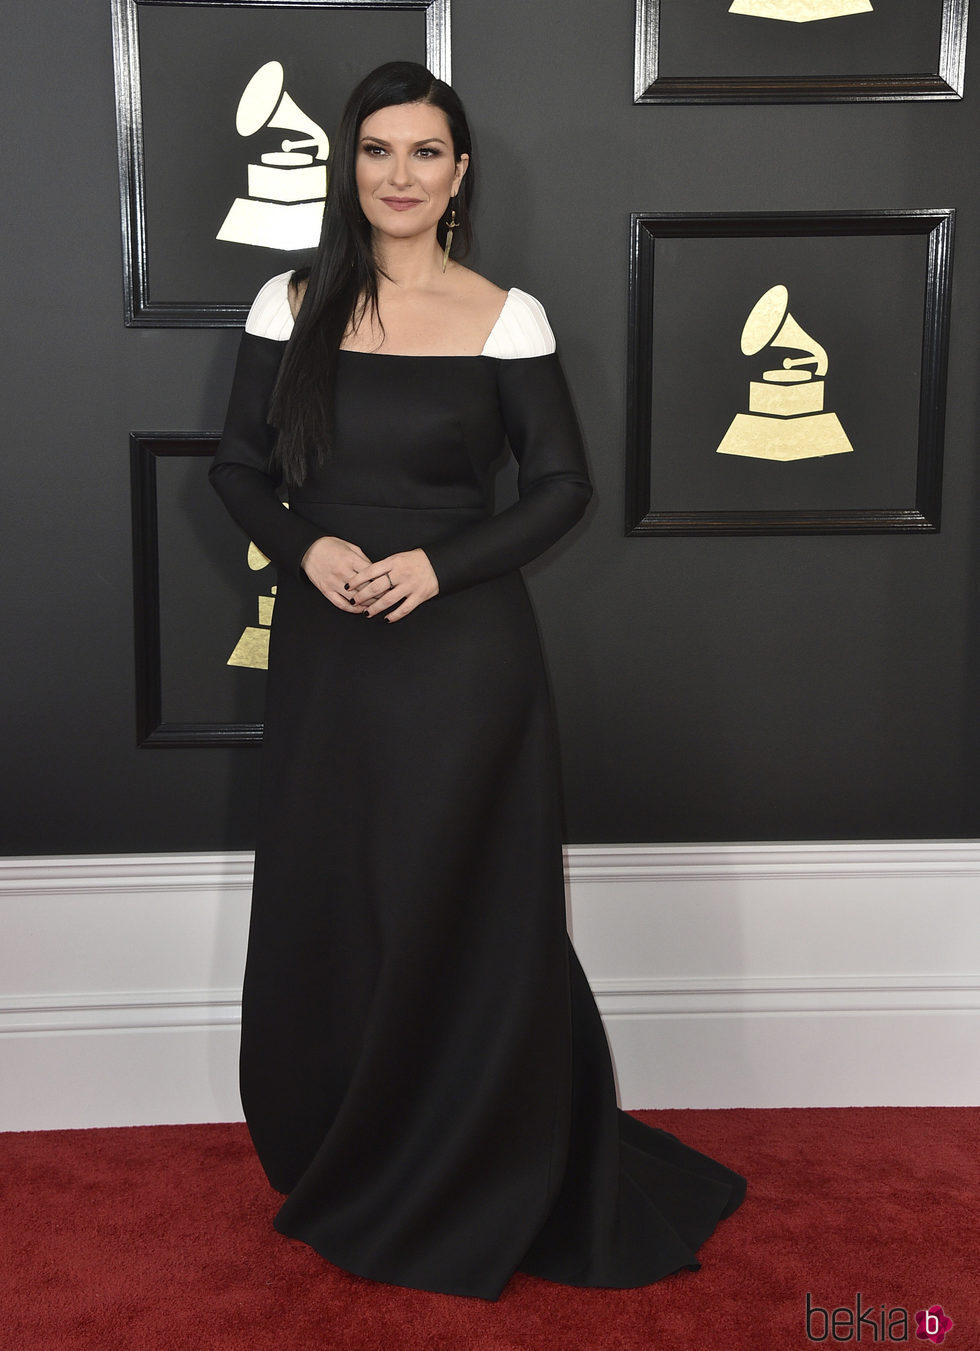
865,1323
932,1324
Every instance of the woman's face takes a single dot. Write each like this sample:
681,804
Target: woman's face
405,170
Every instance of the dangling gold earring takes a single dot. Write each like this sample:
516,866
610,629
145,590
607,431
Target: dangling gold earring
451,225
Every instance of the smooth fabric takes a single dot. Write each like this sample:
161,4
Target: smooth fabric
424,1071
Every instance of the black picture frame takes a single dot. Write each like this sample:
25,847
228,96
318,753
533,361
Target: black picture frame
651,85
143,308
644,516
153,729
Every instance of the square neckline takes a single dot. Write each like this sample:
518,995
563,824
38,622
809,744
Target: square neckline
437,356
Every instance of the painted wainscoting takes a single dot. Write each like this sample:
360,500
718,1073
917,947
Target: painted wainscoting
727,975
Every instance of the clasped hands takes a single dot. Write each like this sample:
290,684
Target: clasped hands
394,586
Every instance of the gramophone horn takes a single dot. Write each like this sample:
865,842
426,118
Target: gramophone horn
259,98
791,335
764,319
290,118
770,325
264,103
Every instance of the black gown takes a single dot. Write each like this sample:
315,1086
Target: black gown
424,1071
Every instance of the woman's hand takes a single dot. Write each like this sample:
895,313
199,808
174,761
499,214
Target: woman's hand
329,563
401,580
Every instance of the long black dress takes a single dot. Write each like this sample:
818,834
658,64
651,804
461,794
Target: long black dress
424,1071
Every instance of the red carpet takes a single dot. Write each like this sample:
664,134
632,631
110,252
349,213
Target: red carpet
159,1238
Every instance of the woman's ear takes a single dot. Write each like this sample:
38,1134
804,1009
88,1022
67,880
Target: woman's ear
461,167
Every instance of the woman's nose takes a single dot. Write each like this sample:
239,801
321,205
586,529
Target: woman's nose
401,170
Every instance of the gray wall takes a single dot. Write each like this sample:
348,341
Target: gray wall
708,689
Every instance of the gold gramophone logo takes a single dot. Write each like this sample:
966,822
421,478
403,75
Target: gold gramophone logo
252,648
786,418
287,188
800,11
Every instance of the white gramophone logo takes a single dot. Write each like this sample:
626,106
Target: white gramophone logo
800,11
286,189
785,420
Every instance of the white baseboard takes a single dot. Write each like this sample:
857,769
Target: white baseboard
727,975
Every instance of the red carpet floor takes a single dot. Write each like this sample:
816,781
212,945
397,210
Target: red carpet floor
159,1238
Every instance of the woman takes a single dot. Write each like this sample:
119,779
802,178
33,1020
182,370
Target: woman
424,1071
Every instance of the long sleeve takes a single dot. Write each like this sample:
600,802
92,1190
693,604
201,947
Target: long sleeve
241,471
553,478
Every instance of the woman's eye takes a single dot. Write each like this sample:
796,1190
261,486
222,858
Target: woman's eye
424,151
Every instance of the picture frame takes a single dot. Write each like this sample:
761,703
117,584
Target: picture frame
700,51
888,343
202,602
206,90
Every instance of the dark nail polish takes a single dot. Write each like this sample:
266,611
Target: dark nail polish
351,600
347,586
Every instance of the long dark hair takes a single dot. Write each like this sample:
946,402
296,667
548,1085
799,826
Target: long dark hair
344,268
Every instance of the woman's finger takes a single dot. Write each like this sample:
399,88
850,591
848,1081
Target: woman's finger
395,585
390,596
371,577
408,604
337,597
371,591
398,603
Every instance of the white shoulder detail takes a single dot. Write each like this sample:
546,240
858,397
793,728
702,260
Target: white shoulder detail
270,315
522,330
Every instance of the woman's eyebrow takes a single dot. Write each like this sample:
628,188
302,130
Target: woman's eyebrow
429,140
